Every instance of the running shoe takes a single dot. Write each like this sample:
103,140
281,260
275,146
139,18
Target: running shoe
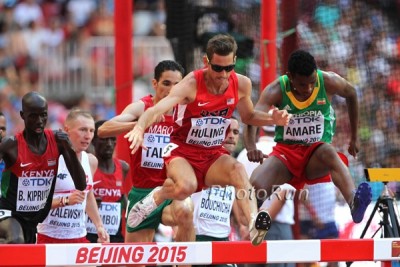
142,209
362,198
260,225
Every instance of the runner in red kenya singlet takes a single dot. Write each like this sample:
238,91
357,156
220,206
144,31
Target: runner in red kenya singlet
108,181
31,161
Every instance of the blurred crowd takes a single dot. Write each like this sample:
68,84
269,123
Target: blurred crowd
359,40
33,33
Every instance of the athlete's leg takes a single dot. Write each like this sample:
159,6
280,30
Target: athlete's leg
143,235
325,160
180,213
181,181
11,231
180,184
272,172
226,170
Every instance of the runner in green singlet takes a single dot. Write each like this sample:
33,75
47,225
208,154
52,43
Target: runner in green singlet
304,153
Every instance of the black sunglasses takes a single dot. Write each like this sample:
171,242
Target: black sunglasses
218,68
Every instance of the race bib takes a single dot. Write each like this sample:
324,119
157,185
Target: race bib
110,213
152,157
216,204
208,131
305,128
32,193
70,217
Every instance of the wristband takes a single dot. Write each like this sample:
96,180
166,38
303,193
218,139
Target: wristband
61,203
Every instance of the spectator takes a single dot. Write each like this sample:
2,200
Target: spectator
27,11
3,129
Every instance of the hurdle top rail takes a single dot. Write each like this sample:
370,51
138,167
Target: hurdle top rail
183,253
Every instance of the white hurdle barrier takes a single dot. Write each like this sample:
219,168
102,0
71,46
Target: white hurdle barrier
178,253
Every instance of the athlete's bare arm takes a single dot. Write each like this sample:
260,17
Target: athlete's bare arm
9,150
183,92
335,84
256,117
91,206
123,122
270,97
125,168
71,160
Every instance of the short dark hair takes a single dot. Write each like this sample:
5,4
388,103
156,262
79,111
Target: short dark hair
97,125
221,44
301,62
166,65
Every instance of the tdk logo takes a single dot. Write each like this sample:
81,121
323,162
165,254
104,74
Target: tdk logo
62,176
151,138
36,182
199,122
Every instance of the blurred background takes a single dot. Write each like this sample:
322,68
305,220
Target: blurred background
65,50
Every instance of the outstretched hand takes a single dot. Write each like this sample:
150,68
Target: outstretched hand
135,137
280,117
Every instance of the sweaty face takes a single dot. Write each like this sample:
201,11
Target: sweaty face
232,138
168,79
81,132
304,85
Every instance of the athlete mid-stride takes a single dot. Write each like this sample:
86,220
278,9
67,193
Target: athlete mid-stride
204,102
31,162
304,153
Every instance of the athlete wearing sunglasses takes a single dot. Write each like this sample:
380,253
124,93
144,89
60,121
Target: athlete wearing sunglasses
203,103
219,68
